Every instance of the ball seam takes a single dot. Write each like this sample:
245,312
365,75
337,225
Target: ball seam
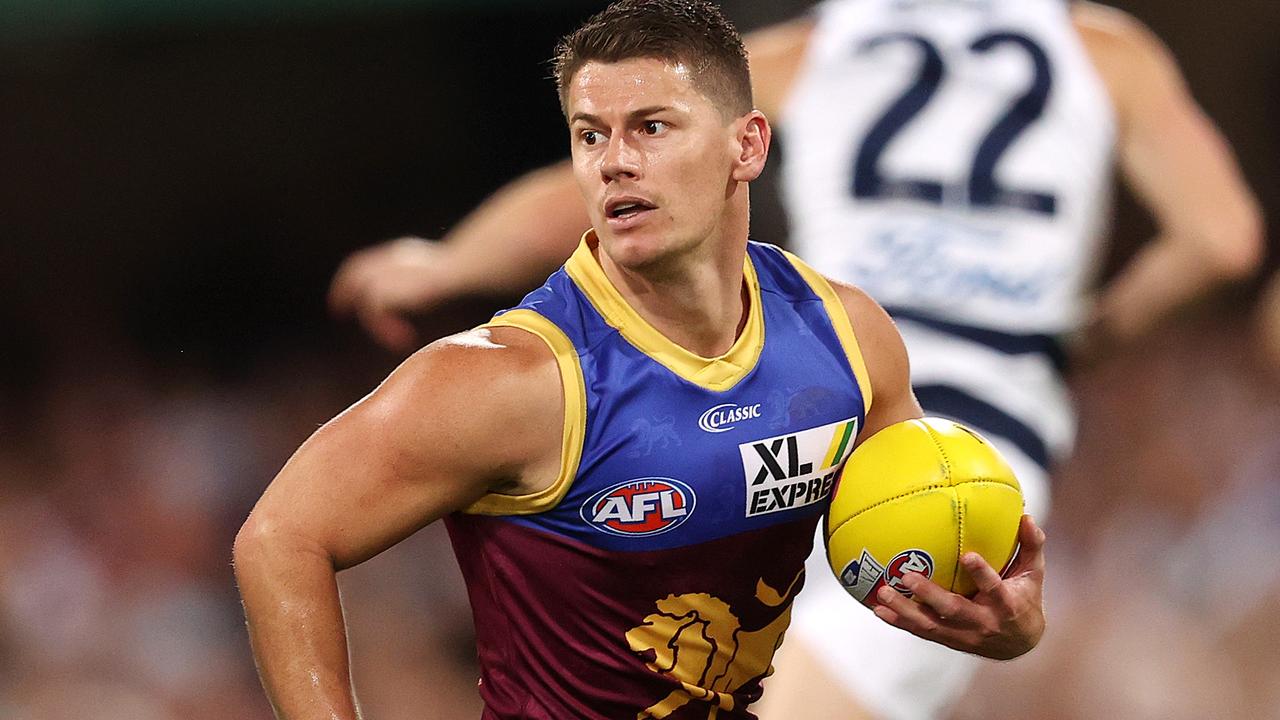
955,571
955,497
917,491
946,460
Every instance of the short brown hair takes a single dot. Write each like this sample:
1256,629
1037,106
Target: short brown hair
693,32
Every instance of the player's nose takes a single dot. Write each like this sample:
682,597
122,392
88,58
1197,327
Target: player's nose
620,160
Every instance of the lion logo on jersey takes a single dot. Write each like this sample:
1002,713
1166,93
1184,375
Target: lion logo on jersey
653,433
697,639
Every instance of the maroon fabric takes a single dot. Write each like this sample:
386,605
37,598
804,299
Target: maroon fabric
567,630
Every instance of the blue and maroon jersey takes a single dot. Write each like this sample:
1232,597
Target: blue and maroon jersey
654,578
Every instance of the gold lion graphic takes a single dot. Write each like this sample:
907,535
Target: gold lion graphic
697,639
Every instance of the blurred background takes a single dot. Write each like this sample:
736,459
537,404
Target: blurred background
180,179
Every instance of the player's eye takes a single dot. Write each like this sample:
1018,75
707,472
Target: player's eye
589,137
653,127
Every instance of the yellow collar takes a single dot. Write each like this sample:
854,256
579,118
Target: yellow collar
718,373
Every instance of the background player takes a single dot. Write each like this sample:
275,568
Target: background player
953,158
574,609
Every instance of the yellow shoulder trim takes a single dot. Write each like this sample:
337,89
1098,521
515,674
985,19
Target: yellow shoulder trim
575,420
840,321
716,373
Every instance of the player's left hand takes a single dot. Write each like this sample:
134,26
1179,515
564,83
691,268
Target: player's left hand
1002,621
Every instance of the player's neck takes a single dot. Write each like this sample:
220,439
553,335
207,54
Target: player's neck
698,300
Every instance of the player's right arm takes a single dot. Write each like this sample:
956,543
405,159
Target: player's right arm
1171,155
431,439
519,234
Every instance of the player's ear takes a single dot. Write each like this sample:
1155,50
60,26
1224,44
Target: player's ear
752,145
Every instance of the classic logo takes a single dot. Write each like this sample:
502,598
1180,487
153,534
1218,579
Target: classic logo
722,418
863,577
796,470
644,506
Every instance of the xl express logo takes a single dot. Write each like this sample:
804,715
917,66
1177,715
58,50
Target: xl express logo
722,418
792,471
640,507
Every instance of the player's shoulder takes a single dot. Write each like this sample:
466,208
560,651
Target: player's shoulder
452,406
877,335
885,356
500,374
498,355
869,319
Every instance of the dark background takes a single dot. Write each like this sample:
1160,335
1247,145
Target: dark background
186,185
178,183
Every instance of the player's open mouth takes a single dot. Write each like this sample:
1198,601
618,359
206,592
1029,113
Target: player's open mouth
626,211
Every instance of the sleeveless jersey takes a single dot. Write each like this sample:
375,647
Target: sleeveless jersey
654,578
952,158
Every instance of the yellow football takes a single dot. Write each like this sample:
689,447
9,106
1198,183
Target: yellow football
915,497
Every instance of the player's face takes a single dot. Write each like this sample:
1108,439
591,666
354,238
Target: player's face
653,156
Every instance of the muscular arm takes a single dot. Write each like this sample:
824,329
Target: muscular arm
1180,167
430,440
519,234
886,358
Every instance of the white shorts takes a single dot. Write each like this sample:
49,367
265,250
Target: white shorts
890,672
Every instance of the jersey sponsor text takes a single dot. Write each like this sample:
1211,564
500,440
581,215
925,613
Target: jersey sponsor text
796,470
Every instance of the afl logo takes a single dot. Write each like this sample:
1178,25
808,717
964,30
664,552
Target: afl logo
721,418
904,562
636,508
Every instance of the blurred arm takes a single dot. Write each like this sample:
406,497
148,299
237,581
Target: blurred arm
1180,167
776,54
509,243
430,440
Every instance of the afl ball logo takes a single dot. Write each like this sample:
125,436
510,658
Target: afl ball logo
640,507
917,561
722,418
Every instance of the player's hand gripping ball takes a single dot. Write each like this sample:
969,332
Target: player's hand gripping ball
916,496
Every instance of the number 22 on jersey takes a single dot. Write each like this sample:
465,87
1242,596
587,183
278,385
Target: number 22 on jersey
981,188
